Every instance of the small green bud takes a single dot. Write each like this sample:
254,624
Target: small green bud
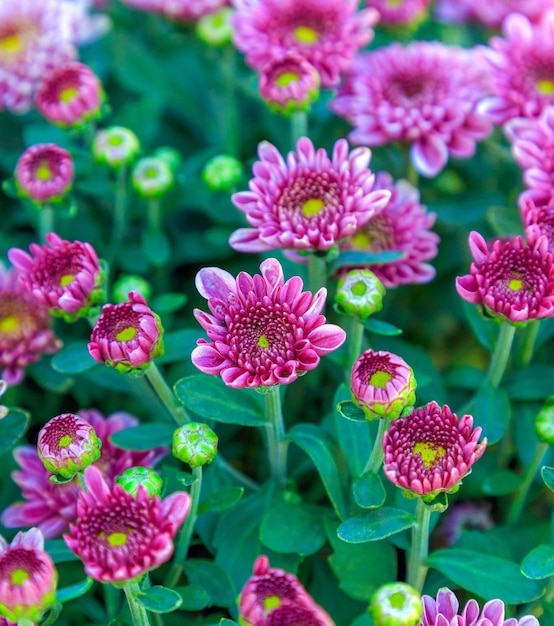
222,172
544,422
152,177
360,293
171,156
215,28
115,146
396,604
195,444
134,477
131,282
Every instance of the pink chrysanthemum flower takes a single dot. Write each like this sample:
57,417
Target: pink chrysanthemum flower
431,450
127,336
51,507
393,12
263,330
537,215
443,611
327,33
512,280
404,225
44,173
70,95
25,333
28,578
490,13
179,10
120,537
424,94
522,69
65,276
308,202
274,597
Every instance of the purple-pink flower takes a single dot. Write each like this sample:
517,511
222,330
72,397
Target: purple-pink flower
44,173
179,10
327,33
393,12
424,94
513,281
262,330
537,214
490,13
120,537
431,450
308,201
404,225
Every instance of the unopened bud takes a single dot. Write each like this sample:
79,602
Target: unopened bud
360,293
222,172
544,422
134,477
396,604
195,444
115,146
215,28
152,177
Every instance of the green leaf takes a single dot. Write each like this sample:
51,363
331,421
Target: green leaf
194,597
227,622
156,247
368,491
59,551
375,524
158,599
221,500
179,344
353,259
186,478
209,398
168,302
485,330
486,575
71,592
502,483
73,358
143,437
213,578
293,527
351,411
12,427
539,563
547,474
380,327
531,383
491,410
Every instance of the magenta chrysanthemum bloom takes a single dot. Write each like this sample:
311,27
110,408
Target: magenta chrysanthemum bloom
522,69
272,596
490,13
404,225
537,215
424,94
44,173
263,330
179,10
120,537
393,12
308,202
28,577
382,384
431,450
51,507
512,280
443,611
327,33
127,336
65,276
71,95
25,333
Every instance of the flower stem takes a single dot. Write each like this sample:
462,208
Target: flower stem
298,126
154,215
317,273
355,341
185,534
164,393
412,174
45,221
501,354
529,340
376,457
119,213
230,111
276,444
521,494
138,612
420,547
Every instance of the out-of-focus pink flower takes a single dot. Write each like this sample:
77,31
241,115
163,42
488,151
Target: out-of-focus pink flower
179,10
120,537
65,276
308,201
424,94
537,215
490,13
327,33
512,280
44,173
521,68
51,507
25,333
263,330
462,515
393,12
404,225
445,610
28,578
431,450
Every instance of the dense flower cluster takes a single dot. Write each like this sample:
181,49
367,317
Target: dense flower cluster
490,13
179,10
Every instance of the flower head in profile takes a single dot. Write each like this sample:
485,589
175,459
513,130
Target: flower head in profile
65,276
513,281
491,13
537,214
28,578
44,173
25,333
444,609
395,12
127,336
263,330
424,94
327,33
308,201
431,450
404,225
120,537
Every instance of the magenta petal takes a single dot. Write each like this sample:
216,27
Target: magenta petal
213,282
327,338
429,155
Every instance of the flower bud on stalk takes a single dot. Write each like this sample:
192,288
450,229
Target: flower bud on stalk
195,444
544,422
222,172
396,604
134,477
116,147
360,293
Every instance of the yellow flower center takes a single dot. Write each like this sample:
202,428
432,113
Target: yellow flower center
397,600
9,324
360,240
66,280
43,171
312,206
126,334
515,284
272,602
359,288
286,78
115,140
68,94
545,87
65,441
305,34
117,539
380,379
19,576
263,342
11,44
429,453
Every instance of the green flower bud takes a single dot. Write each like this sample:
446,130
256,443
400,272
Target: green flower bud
195,444
115,146
544,422
131,282
134,477
396,604
171,156
215,28
360,293
222,172
152,177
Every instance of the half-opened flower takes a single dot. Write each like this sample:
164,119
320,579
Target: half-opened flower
28,578
115,146
424,94
65,276
431,450
44,173
382,384
327,33
511,280
263,330
308,202
407,12
152,177
490,13
537,214
396,604
120,537
127,336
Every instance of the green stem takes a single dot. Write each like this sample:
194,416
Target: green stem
501,354
154,215
420,547
317,272
277,446
45,221
119,213
230,111
298,126
186,531
167,397
138,612
529,340
412,175
521,494
376,457
355,341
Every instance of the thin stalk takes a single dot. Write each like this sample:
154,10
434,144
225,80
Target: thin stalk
154,215
529,340
376,457
355,341
412,175
276,444
317,272
230,110
501,354
45,221
119,212
420,547
167,397
298,126
138,612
